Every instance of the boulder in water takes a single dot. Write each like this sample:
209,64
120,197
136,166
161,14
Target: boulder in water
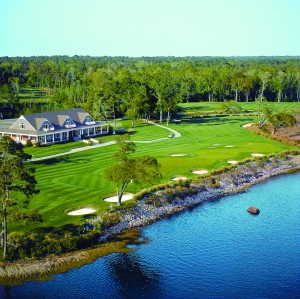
253,210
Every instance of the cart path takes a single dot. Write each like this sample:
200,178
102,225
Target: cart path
88,147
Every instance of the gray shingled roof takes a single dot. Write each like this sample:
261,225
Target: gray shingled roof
57,118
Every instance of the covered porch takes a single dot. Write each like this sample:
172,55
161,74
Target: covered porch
59,136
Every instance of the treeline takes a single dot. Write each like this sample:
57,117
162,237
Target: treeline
146,86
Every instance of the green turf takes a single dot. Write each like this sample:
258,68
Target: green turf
38,95
76,181
204,107
53,149
141,131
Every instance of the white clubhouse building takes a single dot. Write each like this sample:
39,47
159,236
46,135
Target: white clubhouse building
56,126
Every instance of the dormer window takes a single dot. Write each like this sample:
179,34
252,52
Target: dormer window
22,126
69,123
46,126
89,120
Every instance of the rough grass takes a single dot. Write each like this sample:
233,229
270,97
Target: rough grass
21,271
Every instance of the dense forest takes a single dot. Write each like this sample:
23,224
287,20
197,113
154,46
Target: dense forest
146,86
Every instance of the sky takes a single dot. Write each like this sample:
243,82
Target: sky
150,27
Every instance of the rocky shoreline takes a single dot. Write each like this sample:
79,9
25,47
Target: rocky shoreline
156,205
237,180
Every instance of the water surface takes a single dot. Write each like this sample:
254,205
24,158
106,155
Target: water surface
217,250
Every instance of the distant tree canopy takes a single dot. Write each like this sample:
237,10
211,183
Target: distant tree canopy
146,86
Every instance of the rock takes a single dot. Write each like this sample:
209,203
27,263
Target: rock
253,210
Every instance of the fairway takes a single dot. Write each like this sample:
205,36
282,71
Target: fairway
76,181
216,107
34,95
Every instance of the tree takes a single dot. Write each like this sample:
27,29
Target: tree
209,77
165,87
281,120
14,176
264,78
237,82
231,107
264,109
248,83
276,119
278,84
139,170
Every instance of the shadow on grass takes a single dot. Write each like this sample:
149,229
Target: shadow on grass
52,161
132,133
60,231
213,120
89,216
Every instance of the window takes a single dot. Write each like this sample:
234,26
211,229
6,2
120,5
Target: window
89,120
69,123
22,126
46,126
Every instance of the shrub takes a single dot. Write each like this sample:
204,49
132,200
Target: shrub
292,170
213,183
125,206
33,216
154,200
110,129
28,143
110,218
37,144
184,183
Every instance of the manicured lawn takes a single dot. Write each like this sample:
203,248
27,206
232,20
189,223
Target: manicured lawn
36,94
53,149
247,107
75,181
141,132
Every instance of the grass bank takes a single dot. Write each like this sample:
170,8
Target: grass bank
216,107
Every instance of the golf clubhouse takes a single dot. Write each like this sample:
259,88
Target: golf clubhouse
54,127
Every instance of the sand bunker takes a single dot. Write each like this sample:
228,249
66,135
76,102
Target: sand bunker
178,155
257,155
232,161
203,171
115,198
216,144
228,145
247,125
178,178
84,211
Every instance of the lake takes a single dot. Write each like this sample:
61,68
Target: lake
217,250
